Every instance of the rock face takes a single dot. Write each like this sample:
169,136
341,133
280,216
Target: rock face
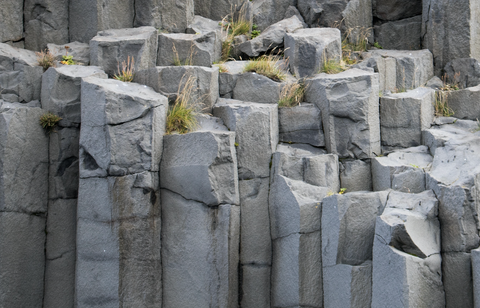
403,34
79,51
464,103
449,30
253,87
464,72
349,105
356,175
301,124
218,9
407,266
267,12
11,21
23,205
308,49
396,9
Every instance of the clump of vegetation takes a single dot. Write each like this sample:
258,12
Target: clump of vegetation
127,72
441,97
233,28
377,45
181,116
266,65
45,59
222,68
66,59
292,94
49,121
333,66
255,32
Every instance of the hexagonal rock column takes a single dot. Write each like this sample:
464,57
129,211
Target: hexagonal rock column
87,17
23,205
253,87
348,229
111,47
476,276
200,219
450,30
256,137
118,218
301,124
61,95
403,117
407,266
308,49
464,103
170,80
20,77
350,112
404,34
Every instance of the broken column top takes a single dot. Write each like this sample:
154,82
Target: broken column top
125,34
17,55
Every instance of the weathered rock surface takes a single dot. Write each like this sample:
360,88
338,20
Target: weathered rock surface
253,87
356,175
218,9
464,72
149,13
11,21
475,255
79,51
110,48
349,105
256,286
464,103
301,124
403,117
405,34
407,266
268,12
122,128
228,77
308,49
396,9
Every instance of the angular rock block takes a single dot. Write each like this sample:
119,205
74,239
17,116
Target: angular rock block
407,266
188,49
203,26
347,253
450,30
149,13
405,34
113,266
20,75
207,156
11,21
475,255
356,175
403,170
46,21
349,105
110,48
218,9
464,103
87,17
228,77
403,117
252,87
177,15
268,12
396,9
171,80
457,279
256,134
272,37
79,51
61,91
255,286
308,49
301,124
122,128
464,72
198,254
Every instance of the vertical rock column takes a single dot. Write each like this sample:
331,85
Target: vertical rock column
118,217
256,137
23,205
200,219
61,96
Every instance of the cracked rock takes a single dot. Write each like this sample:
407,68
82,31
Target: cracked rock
301,124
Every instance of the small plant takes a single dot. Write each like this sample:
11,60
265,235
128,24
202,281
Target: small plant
45,59
222,68
181,116
441,104
266,65
478,127
127,73
255,32
234,28
342,191
450,86
333,66
377,45
291,95
66,59
49,121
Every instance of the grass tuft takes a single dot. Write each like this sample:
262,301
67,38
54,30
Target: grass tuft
441,104
45,59
333,66
292,94
266,65
222,68
49,121
181,116
127,73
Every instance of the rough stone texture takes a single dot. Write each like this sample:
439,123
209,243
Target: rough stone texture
11,21
110,48
46,21
87,17
308,49
272,37
347,253
356,175
122,127
457,279
253,87
61,91
464,103
149,13
256,134
255,286
170,80
228,78
20,77
208,157
349,105
403,117
203,26
464,72
405,34
196,259
268,12
450,30
396,9
475,255
218,9
113,267
407,266
400,70
403,170
301,124
79,51
176,15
